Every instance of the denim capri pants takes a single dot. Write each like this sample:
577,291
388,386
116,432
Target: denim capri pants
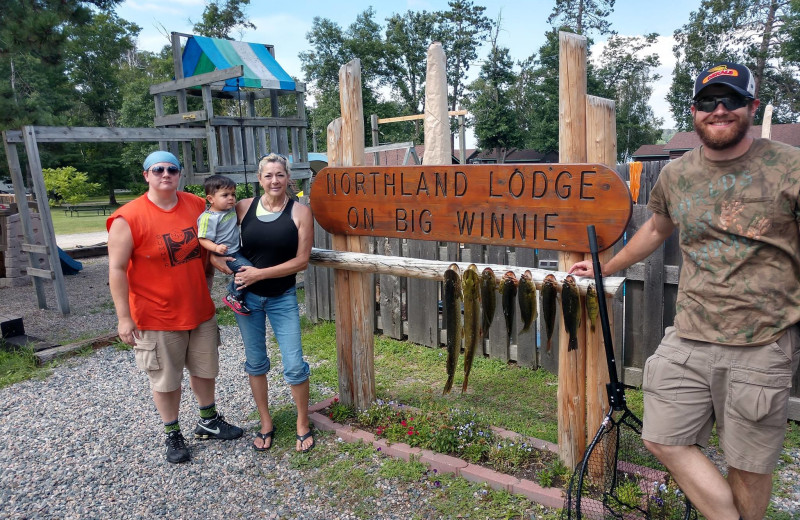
284,317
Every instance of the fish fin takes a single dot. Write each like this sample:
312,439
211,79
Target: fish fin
573,343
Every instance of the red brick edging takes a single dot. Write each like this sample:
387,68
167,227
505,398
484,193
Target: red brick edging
549,497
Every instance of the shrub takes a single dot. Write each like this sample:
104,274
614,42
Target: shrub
68,185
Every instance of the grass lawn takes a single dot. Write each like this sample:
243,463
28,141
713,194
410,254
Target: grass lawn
83,222
518,399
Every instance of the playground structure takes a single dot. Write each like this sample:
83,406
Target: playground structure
207,143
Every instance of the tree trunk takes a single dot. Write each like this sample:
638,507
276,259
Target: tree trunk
765,41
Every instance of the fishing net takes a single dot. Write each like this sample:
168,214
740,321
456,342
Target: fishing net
620,478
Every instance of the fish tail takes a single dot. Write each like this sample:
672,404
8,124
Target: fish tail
448,385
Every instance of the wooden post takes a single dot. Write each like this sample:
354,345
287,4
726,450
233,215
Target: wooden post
373,122
211,136
601,138
24,214
35,169
572,149
177,62
355,301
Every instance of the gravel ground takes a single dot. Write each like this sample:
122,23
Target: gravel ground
86,442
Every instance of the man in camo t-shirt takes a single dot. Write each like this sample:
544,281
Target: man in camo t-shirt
730,356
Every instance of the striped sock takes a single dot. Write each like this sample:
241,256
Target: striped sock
208,412
173,426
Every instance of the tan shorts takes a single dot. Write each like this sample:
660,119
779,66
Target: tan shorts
688,385
164,354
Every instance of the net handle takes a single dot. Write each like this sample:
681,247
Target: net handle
616,391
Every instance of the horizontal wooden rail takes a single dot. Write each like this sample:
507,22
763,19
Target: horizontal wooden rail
195,81
418,116
434,269
389,147
76,134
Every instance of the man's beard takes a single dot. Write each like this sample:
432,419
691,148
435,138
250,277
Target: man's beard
728,139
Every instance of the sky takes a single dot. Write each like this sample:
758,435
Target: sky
523,22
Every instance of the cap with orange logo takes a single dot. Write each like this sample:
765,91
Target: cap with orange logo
738,77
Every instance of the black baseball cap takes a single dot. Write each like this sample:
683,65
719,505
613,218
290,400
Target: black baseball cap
738,77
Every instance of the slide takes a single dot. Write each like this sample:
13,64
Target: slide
68,264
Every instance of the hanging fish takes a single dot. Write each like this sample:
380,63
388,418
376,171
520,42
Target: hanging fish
470,283
488,299
527,301
549,294
592,306
452,309
571,310
508,289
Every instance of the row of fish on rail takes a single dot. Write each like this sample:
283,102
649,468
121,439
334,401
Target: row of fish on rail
477,294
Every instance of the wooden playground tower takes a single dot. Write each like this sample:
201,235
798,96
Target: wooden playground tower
206,142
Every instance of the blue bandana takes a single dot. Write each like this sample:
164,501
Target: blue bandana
160,156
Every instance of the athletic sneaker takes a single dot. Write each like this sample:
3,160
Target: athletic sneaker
216,428
236,305
176,448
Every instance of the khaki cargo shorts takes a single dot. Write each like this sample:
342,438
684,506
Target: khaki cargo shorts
164,354
688,385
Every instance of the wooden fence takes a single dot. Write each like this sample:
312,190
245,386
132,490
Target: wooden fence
409,308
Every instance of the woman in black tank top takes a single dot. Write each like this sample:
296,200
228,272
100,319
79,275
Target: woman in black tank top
277,234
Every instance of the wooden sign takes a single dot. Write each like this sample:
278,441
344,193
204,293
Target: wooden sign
545,206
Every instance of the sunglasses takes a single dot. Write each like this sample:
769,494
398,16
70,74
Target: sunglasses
172,170
730,102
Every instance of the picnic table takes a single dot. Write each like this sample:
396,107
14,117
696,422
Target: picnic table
77,209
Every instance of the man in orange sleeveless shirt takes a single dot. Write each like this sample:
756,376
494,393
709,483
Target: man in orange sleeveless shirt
158,280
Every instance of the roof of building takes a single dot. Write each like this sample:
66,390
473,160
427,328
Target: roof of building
396,157
516,155
784,133
650,150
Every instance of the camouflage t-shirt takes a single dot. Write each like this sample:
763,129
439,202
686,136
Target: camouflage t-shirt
738,220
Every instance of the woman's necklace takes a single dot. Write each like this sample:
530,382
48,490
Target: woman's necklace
269,208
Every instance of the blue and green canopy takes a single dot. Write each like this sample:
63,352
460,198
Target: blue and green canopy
203,54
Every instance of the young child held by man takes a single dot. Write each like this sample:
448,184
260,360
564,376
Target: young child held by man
218,231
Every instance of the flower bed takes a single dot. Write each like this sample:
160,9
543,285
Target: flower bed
459,434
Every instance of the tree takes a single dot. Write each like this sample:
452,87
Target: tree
408,37
464,28
582,16
67,185
490,103
330,49
752,32
221,17
94,56
34,88
536,97
628,76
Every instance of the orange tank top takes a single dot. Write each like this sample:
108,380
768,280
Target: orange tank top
166,273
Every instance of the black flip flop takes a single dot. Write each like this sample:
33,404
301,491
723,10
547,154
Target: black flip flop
301,438
264,437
